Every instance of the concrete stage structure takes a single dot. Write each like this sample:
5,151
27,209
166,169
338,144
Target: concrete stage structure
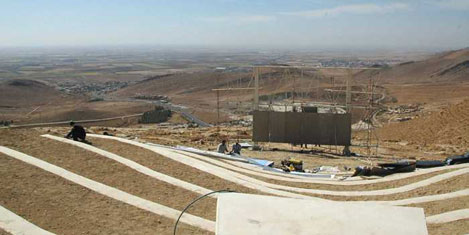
255,214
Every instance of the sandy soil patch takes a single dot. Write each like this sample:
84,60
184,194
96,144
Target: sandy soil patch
167,166
62,207
452,228
110,172
442,206
3,232
375,186
446,186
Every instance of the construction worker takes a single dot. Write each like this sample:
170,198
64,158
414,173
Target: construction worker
236,148
222,147
77,133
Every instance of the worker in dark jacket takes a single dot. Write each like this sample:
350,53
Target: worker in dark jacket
77,133
236,148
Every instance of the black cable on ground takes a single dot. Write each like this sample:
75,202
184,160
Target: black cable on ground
197,199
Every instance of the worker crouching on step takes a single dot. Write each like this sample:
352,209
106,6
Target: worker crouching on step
77,133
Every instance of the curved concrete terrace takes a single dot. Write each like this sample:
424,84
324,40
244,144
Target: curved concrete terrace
135,166
229,175
15,224
448,216
111,192
250,169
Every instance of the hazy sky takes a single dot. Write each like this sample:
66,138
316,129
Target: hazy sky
237,23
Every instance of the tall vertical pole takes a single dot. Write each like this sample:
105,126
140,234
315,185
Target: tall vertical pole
317,88
218,105
348,101
256,88
256,100
293,91
348,96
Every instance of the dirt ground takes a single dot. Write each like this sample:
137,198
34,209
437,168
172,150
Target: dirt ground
57,205
27,185
62,207
209,138
439,130
109,172
436,94
167,166
442,206
452,228
376,186
312,157
445,186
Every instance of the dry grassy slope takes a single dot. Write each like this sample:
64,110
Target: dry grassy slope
445,67
88,110
20,93
448,126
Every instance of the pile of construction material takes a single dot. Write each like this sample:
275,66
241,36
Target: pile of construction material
384,169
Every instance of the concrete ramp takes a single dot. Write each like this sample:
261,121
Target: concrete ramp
256,214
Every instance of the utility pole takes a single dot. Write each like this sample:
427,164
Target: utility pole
256,99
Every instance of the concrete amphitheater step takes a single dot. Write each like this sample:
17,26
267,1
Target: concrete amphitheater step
194,160
169,167
112,192
63,207
201,190
253,170
135,166
209,168
400,189
448,216
14,224
346,182
430,198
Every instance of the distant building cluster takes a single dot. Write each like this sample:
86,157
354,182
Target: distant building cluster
93,88
355,63
162,98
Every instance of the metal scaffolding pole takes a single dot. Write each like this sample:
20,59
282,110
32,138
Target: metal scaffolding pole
256,88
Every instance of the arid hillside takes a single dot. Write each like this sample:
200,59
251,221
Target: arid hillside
197,88
450,66
450,126
30,101
20,93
